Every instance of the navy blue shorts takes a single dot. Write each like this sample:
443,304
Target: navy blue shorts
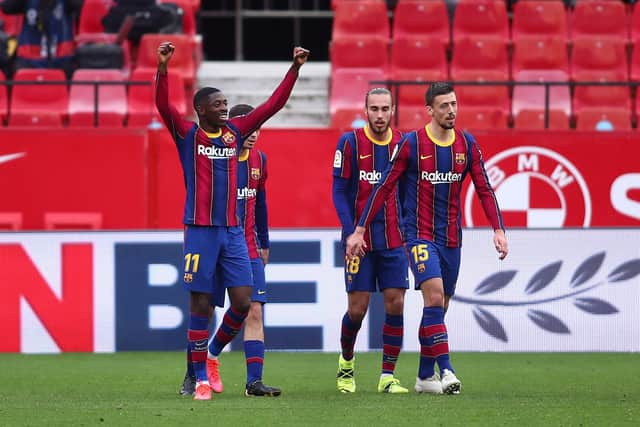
428,260
259,286
215,257
377,270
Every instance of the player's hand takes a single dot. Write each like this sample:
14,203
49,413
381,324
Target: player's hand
165,52
264,254
500,242
300,56
355,243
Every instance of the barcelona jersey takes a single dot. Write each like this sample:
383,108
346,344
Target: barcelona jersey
252,176
210,160
361,160
430,175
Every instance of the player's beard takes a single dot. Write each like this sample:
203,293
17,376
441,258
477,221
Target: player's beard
446,124
379,129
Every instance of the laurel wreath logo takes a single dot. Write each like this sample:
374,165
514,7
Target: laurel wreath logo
579,285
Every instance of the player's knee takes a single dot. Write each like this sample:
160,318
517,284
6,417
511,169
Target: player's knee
357,313
255,315
200,303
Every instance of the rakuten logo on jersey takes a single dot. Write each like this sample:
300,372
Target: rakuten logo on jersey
246,193
371,177
214,152
438,177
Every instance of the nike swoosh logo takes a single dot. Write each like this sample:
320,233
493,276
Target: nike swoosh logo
425,157
366,156
8,157
262,292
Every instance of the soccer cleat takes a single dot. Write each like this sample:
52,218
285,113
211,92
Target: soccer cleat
256,388
203,391
213,375
450,383
389,384
429,385
188,385
346,381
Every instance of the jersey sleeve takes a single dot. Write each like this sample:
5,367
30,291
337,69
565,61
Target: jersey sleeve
253,120
482,185
398,164
262,217
176,124
342,159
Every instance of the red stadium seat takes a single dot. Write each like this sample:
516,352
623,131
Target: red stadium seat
37,104
182,61
112,100
141,98
361,53
360,18
412,117
72,220
11,221
600,18
534,119
12,24
531,98
348,88
539,18
91,16
479,54
601,60
481,18
540,53
635,25
345,118
540,59
481,118
4,99
619,119
417,59
481,61
635,63
426,19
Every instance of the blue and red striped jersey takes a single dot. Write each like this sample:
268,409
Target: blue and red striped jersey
252,177
360,160
210,160
430,175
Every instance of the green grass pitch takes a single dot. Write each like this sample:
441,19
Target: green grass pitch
512,389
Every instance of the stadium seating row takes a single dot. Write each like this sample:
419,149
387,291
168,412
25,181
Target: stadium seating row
57,105
487,18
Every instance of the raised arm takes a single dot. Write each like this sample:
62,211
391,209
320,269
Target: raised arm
487,197
250,122
176,124
399,164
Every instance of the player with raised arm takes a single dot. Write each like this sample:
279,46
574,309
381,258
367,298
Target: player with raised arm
252,211
431,164
214,244
361,157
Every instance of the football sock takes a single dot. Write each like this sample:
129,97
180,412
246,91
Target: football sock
436,338
198,335
228,329
392,333
190,370
348,336
254,354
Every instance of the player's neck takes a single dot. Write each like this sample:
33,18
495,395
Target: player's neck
244,154
209,128
439,133
383,137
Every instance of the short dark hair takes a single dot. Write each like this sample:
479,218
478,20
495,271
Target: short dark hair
203,94
436,89
377,91
240,110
